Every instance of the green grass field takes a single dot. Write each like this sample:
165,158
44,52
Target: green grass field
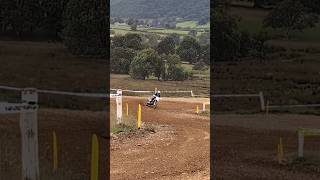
252,22
184,28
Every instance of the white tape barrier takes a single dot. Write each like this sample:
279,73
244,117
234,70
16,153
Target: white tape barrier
293,106
138,91
28,130
94,95
11,108
260,96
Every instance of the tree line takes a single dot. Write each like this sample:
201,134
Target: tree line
82,25
145,55
232,44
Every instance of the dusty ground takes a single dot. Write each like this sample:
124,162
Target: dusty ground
74,130
180,148
246,146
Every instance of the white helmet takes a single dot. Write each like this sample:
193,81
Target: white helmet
159,92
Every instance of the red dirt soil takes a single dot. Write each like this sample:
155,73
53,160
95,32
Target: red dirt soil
247,146
74,130
181,150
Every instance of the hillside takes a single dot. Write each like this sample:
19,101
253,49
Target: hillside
188,9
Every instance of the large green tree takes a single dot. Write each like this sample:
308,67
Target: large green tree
225,36
85,27
189,49
167,46
120,60
143,64
290,15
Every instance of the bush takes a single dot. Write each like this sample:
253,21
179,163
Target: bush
200,66
143,64
174,70
85,24
120,60
176,73
188,75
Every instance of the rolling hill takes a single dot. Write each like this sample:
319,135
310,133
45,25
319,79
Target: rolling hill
187,9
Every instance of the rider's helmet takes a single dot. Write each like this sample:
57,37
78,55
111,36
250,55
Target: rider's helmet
158,93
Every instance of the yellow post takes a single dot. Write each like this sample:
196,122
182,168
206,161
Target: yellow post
127,107
55,152
197,109
139,116
280,151
94,158
267,110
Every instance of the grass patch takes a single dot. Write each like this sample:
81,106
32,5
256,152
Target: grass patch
123,128
197,85
252,22
205,113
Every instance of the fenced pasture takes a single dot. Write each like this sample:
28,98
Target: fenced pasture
283,82
182,29
252,22
74,119
198,86
49,67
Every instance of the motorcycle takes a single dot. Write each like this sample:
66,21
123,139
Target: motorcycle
153,102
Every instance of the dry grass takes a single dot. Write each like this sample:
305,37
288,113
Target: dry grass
198,86
49,66
45,65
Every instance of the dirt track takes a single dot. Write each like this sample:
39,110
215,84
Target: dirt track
181,150
246,146
74,130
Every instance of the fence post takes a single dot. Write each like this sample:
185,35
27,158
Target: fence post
262,101
29,137
203,107
127,107
55,152
300,143
94,158
139,116
119,106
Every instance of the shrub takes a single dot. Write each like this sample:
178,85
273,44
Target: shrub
143,63
85,24
120,60
200,66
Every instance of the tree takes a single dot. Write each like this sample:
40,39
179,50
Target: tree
85,24
205,54
259,44
225,35
189,49
176,38
174,70
204,39
133,27
130,40
258,3
120,60
166,46
133,41
118,41
290,15
152,40
193,33
143,63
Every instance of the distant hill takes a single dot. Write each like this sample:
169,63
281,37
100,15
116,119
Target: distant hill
187,9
